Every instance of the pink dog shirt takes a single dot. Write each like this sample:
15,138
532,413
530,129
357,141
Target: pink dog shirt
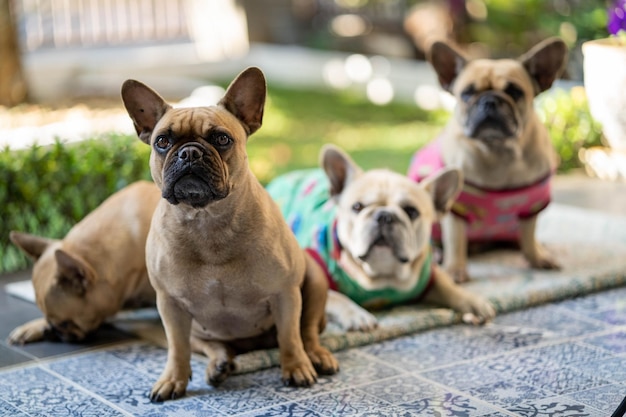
490,214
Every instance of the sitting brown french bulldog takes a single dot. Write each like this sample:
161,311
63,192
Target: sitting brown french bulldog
497,140
227,270
98,269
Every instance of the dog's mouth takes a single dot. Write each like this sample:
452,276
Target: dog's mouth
193,190
382,240
66,332
491,119
490,128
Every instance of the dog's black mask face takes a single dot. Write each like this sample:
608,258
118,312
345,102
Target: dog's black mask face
194,171
493,116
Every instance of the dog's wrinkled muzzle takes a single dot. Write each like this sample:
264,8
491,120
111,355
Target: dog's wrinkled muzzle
194,177
386,235
491,118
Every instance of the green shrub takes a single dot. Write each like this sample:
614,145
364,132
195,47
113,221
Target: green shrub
571,126
46,190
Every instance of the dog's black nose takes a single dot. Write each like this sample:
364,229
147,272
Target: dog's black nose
385,217
489,103
189,153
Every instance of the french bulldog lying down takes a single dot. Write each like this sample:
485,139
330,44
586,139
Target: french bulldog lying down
499,143
371,233
95,271
228,272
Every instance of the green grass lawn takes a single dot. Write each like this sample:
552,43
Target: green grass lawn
297,123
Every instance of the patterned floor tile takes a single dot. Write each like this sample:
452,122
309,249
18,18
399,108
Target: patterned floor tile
570,352
352,402
552,320
604,301
606,398
402,389
7,409
33,391
284,410
464,376
612,369
507,393
356,369
612,342
239,395
128,387
448,404
615,317
555,407
561,379
435,349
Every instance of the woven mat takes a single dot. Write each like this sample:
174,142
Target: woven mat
591,247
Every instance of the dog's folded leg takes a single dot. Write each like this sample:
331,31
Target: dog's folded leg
314,293
474,308
454,231
33,331
536,255
173,381
296,367
220,359
347,314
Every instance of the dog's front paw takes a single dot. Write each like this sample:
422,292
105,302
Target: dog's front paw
476,310
33,331
323,361
298,373
348,315
356,319
458,273
171,385
218,370
542,260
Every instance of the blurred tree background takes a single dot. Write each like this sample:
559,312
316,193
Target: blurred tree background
496,28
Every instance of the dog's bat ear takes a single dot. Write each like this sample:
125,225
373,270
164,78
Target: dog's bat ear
447,62
245,98
31,245
339,167
74,275
545,62
144,106
444,186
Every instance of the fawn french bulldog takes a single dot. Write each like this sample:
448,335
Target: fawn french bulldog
499,143
97,269
228,272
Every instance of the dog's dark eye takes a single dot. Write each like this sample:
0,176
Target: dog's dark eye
468,93
162,142
514,92
221,140
357,207
411,211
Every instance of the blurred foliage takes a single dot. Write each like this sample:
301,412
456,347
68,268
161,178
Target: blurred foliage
46,190
571,126
512,27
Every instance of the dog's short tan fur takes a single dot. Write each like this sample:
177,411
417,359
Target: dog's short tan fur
95,271
395,261
227,270
518,160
